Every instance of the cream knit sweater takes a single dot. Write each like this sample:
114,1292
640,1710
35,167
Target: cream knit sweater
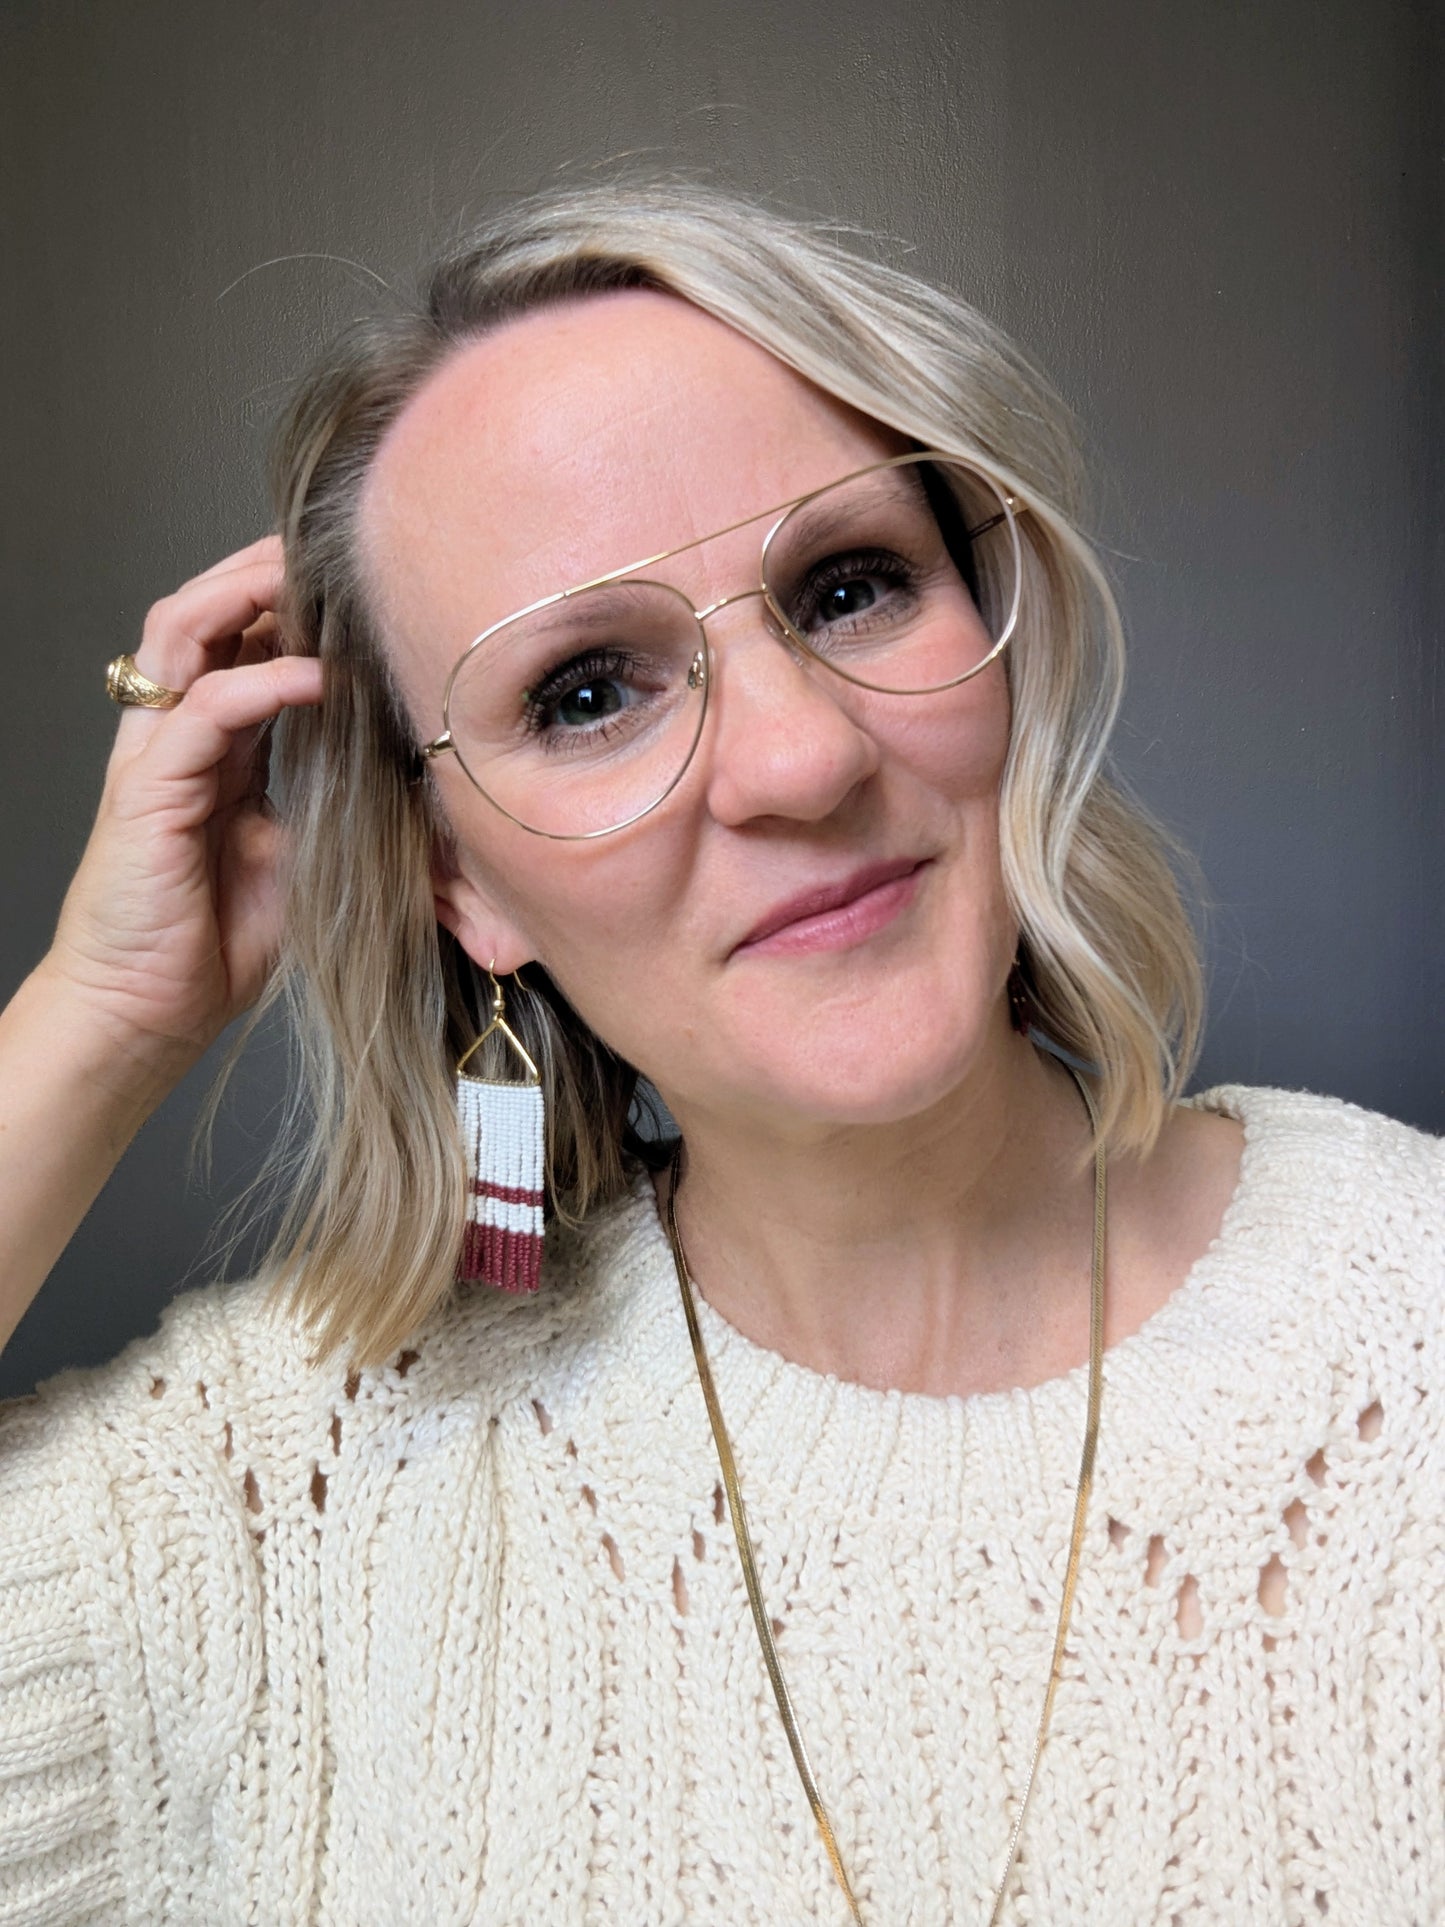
465,1639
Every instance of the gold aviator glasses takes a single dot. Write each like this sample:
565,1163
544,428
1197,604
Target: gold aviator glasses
579,714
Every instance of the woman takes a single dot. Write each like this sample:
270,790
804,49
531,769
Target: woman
678,624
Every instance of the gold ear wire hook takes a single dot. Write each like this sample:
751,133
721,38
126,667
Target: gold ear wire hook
499,1023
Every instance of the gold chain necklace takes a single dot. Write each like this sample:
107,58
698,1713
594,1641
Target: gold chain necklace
749,1563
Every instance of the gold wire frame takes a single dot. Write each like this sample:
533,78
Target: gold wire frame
500,1027
700,674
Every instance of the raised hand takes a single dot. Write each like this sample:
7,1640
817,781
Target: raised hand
171,922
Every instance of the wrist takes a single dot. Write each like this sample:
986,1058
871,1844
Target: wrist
129,1073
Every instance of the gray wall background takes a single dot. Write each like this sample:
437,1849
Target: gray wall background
1218,225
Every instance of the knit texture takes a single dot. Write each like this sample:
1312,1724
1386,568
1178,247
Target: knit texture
465,1639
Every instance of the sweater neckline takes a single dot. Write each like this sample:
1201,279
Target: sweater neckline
1199,1353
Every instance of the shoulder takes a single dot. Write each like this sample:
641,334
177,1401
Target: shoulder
164,1519
1337,1230
224,1367
143,1487
495,1350
1313,1117
230,1375
1356,1169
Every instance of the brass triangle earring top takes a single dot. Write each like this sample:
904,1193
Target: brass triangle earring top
503,1126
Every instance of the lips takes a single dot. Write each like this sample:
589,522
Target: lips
823,898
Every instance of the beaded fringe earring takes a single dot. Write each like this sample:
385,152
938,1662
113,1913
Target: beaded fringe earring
503,1129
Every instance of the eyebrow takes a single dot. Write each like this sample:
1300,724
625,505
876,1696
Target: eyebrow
822,527
820,519
591,614
681,548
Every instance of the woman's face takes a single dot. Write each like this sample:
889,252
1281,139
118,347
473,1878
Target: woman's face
569,443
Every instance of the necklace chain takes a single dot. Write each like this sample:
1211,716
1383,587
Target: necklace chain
749,1563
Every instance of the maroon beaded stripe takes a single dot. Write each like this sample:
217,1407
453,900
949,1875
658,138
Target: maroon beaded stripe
506,1193
511,1260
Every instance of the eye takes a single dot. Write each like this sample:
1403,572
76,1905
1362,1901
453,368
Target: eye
849,591
587,701
848,599
580,694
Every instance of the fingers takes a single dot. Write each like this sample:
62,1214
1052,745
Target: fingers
209,619
213,717
245,770
217,640
261,641
265,548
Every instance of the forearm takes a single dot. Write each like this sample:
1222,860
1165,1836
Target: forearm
71,1100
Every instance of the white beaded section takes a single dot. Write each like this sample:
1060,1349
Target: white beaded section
503,1128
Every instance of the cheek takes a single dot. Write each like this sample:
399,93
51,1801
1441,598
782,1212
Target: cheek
602,917
954,744
618,926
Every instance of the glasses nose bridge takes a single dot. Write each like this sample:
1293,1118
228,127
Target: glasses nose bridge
776,631
726,601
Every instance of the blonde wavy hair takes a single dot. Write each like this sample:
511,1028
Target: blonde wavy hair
382,1000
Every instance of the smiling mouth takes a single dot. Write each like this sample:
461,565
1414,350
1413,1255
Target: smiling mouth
837,916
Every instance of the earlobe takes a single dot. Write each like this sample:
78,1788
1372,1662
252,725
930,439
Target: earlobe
488,938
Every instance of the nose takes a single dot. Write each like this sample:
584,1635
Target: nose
781,742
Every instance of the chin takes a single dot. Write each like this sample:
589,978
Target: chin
876,1080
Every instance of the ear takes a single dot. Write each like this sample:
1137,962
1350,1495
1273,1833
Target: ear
479,924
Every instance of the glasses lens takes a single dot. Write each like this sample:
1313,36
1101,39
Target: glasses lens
582,715
904,578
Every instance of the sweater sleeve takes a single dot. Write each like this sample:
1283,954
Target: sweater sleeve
60,1859
129,1627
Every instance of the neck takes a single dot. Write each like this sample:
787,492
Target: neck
948,1253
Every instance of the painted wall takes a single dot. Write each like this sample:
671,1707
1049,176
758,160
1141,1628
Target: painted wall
1218,225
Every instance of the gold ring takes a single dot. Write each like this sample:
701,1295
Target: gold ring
133,689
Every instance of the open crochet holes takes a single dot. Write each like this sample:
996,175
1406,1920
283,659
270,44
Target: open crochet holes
681,1597
1188,1614
609,1544
1273,1584
1274,1573
320,1474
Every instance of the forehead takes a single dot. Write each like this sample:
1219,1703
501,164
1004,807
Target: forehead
582,437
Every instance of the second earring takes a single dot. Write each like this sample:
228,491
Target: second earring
503,1127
